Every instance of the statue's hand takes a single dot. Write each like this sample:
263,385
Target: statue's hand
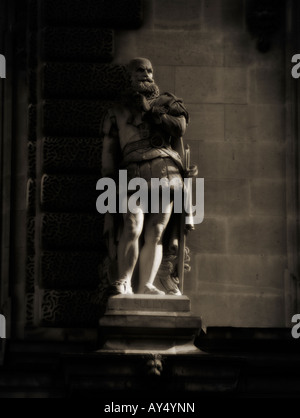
156,112
159,110
142,102
192,171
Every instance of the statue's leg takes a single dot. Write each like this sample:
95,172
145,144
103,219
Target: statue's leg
128,249
152,250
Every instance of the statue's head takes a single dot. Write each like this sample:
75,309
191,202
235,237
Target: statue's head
141,69
141,76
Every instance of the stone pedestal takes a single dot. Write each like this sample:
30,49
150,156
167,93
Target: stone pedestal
146,323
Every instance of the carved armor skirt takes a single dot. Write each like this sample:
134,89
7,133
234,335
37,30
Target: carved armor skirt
159,167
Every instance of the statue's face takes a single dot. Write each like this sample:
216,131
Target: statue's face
141,71
141,75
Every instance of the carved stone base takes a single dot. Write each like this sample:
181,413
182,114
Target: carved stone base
146,323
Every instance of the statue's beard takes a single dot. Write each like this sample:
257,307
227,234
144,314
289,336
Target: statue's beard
147,88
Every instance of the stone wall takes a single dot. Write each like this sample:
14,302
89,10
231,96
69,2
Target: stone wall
71,83
203,52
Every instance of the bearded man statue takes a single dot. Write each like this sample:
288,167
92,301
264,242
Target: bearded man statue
143,135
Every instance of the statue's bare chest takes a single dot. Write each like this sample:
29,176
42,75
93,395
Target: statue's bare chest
130,126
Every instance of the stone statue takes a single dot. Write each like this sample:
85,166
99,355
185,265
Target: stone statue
143,135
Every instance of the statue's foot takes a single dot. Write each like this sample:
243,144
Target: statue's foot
121,287
152,290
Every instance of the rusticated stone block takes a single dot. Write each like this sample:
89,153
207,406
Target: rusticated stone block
109,13
91,81
30,235
238,49
29,309
260,235
267,86
240,309
231,160
77,44
30,196
268,197
177,14
73,117
207,122
212,85
242,270
180,48
212,17
165,77
72,231
254,123
270,123
31,150
71,308
69,193
210,237
30,273
227,197
32,121
70,270
65,155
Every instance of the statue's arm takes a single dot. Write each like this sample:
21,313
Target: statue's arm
177,145
111,147
175,126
